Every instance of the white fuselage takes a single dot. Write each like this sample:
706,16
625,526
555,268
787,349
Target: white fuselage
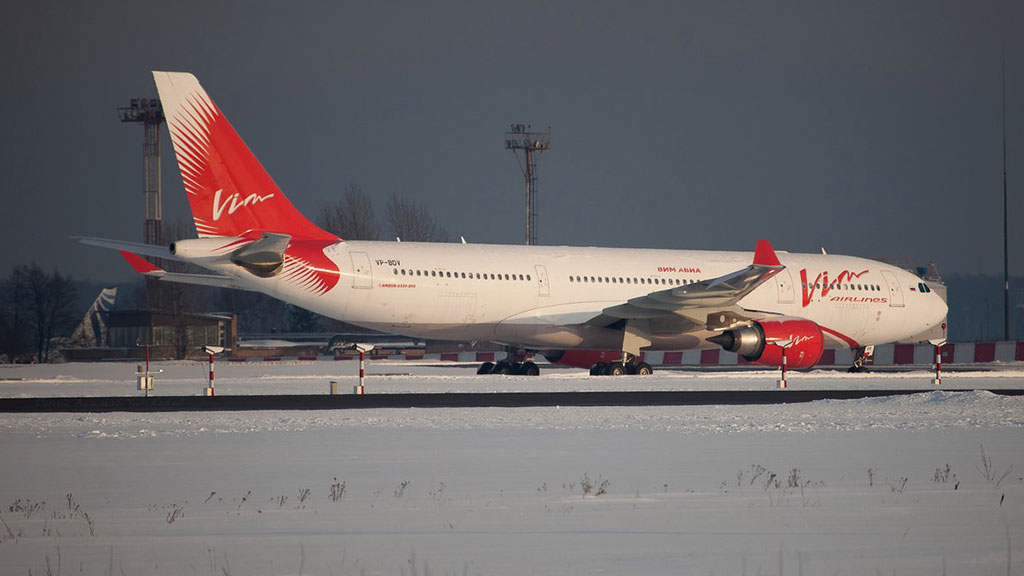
542,297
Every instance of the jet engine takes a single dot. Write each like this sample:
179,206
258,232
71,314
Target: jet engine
762,342
263,257
199,248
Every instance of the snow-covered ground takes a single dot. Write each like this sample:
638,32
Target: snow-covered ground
924,484
391,376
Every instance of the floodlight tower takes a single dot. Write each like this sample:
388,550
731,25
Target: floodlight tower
149,113
522,137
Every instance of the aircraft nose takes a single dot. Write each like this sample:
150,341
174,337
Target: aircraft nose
939,308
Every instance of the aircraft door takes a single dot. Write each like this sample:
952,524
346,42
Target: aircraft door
362,274
895,293
784,281
542,280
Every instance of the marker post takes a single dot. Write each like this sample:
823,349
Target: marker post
363,349
359,389
783,344
209,387
782,380
210,351
143,377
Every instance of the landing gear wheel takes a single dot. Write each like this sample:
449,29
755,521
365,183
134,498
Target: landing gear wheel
529,369
597,369
485,368
644,369
860,359
616,369
502,368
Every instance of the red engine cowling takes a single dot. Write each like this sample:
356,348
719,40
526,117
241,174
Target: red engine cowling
804,342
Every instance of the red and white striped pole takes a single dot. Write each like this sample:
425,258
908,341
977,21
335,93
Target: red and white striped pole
782,382
209,387
362,371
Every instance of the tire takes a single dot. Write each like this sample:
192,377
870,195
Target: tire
529,369
644,369
515,369
615,369
597,369
502,368
485,368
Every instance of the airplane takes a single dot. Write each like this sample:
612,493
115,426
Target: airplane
596,308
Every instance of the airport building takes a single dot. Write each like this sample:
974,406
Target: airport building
168,336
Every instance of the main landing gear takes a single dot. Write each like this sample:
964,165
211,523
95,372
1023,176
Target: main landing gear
527,368
631,366
517,364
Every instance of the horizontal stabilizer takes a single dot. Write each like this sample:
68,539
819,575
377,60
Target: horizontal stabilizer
203,280
133,247
142,266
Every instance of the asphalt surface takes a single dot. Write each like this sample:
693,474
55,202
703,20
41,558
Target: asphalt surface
445,400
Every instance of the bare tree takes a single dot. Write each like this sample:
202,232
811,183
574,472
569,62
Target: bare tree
14,334
411,222
49,301
352,217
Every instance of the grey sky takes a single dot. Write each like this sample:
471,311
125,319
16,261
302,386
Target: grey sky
867,128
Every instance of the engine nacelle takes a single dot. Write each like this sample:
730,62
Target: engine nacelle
197,248
762,342
263,257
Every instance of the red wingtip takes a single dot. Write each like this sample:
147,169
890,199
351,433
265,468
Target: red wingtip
764,254
139,263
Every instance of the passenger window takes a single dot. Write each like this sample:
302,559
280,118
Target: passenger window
403,271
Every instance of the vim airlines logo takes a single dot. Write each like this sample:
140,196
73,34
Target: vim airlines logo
822,280
798,340
233,202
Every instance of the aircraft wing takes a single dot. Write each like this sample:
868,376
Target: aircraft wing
695,302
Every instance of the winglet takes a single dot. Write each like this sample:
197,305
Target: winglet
139,263
764,254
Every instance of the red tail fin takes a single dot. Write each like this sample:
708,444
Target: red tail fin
228,190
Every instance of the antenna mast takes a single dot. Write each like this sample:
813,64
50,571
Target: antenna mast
1006,244
521,137
149,113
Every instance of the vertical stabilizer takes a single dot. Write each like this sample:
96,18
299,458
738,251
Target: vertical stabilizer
228,190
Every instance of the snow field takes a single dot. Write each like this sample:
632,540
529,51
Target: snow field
705,490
